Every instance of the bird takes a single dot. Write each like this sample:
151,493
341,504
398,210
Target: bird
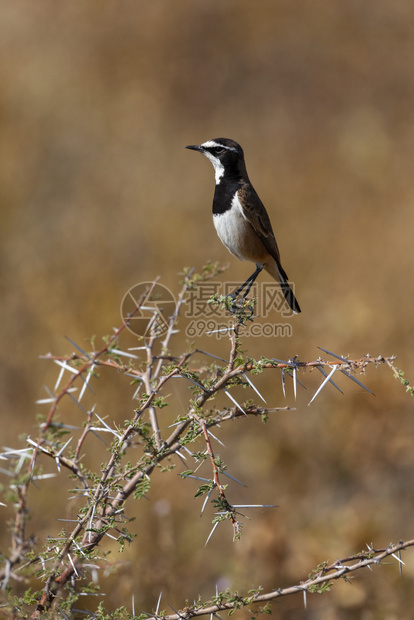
240,217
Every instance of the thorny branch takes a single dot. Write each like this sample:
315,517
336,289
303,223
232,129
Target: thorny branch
321,580
106,496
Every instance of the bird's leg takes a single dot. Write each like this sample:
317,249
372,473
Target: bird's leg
246,285
251,281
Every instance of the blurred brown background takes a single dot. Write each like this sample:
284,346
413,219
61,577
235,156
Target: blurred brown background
97,101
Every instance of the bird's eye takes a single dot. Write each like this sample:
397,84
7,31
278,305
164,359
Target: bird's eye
217,150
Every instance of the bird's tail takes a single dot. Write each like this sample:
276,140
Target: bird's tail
278,273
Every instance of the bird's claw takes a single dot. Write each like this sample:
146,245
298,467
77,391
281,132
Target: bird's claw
240,307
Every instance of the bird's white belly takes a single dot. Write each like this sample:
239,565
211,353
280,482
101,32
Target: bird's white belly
230,228
238,235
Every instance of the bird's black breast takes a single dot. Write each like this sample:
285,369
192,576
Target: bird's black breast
223,196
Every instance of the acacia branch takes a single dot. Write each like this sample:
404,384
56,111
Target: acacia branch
323,579
107,490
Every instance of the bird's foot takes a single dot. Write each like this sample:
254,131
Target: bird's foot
243,308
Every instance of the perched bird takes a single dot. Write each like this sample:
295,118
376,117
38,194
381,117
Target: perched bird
240,218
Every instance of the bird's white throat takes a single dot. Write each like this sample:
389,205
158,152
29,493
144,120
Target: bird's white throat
218,166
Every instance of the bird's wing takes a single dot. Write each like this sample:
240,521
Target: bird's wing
255,213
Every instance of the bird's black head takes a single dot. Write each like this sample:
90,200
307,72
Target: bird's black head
226,156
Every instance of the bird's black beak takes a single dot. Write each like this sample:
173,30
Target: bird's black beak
195,147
